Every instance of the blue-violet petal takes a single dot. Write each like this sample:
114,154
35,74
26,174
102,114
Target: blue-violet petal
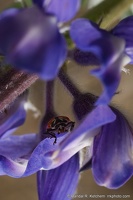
124,30
64,10
112,162
109,50
13,116
35,44
67,175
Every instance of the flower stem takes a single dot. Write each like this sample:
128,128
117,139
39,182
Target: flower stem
49,96
49,112
12,84
112,11
68,84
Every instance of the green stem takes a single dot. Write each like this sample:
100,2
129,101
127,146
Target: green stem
111,10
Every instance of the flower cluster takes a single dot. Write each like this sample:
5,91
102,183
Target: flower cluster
33,39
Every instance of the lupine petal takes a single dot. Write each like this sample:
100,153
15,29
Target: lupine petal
19,154
35,44
84,32
12,168
13,116
64,10
110,78
44,160
21,157
8,13
124,30
89,37
109,50
59,183
81,137
15,143
112,161
15,152
99,116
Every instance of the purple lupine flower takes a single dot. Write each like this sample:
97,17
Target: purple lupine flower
124,30
109,147
27,154
30,39
107,49
20,159
64,10
110,153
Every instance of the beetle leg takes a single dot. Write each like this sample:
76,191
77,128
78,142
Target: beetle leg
52,135
55,140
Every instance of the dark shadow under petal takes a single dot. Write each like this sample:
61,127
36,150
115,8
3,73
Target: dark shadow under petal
83,58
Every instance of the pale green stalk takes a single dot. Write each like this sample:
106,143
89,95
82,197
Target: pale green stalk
110,10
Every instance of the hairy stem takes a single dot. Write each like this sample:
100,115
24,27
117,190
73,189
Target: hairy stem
12,84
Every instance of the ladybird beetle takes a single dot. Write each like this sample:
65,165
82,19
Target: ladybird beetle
59,125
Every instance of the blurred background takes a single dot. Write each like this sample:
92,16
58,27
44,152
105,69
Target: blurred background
25,188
